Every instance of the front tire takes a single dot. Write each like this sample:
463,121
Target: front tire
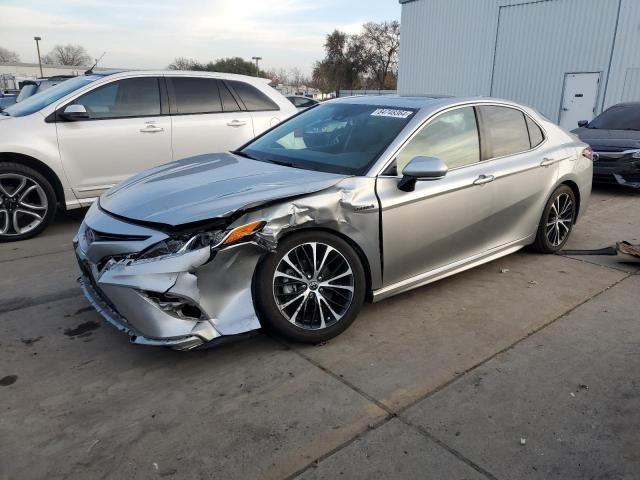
27,202
311,288
557,221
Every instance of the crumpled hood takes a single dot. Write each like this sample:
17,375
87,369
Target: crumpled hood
208,186
601,139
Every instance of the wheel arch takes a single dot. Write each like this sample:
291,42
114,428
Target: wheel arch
576,193
352,243
41,168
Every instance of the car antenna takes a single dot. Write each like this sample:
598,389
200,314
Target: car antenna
90,71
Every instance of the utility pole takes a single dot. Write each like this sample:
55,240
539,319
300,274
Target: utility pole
257,59
37,39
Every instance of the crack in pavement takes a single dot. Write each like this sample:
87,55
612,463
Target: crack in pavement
399,412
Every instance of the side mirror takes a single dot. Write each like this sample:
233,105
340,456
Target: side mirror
419,169
583,123
75,112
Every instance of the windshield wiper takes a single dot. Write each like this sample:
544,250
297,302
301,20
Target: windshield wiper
283,163
242,154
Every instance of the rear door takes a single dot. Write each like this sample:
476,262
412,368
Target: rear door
125,134
524,167
264,111
205,117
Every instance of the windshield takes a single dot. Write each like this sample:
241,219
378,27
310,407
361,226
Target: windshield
334,137
620,117
47,97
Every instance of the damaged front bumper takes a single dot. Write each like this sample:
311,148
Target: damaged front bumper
181,301
617,169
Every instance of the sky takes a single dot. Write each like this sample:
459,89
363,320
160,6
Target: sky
151,33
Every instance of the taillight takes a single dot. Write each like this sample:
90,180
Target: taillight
588,153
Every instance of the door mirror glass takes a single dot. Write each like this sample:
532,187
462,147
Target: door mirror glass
583,123
422,168
75,112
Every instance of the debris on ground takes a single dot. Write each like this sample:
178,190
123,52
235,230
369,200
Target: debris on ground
626,248
572,394
504,270
523,441
532,284
621,248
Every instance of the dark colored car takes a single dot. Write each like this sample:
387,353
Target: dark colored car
614,136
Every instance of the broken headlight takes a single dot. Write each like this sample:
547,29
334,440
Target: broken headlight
216,239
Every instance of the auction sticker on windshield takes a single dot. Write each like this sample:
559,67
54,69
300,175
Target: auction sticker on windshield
390,112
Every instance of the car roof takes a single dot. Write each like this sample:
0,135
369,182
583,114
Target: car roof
425,103
626,104
182,73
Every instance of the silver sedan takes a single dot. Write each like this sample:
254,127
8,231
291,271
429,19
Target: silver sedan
352,200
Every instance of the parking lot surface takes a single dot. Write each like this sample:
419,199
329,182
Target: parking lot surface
527,367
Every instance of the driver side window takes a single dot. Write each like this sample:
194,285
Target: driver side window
451,136
131,97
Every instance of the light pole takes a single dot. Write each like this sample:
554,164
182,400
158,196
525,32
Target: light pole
37,39
257,59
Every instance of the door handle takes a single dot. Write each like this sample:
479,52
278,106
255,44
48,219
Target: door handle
236,123
152,129
546,161
482,179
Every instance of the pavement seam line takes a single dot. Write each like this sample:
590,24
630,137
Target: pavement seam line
391,414
336,449
451,450
398,414
510,347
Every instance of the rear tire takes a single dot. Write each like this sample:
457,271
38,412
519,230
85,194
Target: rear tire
557,221
27,202
310,304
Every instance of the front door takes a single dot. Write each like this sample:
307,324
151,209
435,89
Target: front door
579,98
124,135
441,221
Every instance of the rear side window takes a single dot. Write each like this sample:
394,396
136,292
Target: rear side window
253,99
506,130
535,133
196,95
131,97
229,103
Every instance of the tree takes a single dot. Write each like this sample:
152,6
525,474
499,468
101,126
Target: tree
381,42
222,65
343,64
183,63
352,60
72,55
8,56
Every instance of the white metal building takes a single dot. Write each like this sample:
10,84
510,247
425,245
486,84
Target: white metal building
569,59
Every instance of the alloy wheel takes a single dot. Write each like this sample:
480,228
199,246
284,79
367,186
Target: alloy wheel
559,220
23,204
313,286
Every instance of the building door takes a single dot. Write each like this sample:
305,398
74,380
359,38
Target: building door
579,98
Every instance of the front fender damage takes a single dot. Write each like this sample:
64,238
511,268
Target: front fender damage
219,282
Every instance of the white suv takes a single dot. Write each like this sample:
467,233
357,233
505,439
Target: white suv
65,146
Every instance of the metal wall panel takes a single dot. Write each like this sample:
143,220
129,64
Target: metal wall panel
449,47
631,88
446,47
538,43
624,81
